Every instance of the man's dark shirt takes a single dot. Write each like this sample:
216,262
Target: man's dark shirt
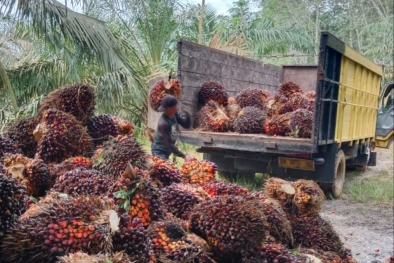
166,134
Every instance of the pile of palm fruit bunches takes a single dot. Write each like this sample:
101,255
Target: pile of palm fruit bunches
75,187
257,111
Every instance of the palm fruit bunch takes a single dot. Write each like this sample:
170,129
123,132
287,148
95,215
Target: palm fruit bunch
61,136
281,190
289,88
250,120
198,172
212,117
12,202
310,95
114,155
32,173
279,104
314,232
212,91
135,194
57,169
298,101
83,182
7,146
323,256
171,243
229,224
21,132
308,197
78,100
132,238
301,122
161,89
253,98
164,171
54,228
258,195
118,257
101,127
124,126
219,188
180,199
233,110
271,253
278,125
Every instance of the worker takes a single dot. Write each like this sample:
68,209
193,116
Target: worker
167,129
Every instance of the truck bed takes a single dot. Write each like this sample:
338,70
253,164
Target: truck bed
247,142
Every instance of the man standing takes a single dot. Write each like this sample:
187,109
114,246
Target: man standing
167,129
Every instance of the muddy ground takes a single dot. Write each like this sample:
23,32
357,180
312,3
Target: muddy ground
366,230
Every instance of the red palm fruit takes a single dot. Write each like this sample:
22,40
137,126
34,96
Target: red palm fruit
212,91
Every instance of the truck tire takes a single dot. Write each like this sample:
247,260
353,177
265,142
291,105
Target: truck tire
335,188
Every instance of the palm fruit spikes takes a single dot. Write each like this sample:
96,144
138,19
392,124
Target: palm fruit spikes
277,105
77,100
308,197
12,202
180,199
21,133
61,136
83,182
250,120
315,232
165,171
114,155
230,224
198,172
301,122
278,125
161,89
32,173
212,91
253,98
118,257
59,226
233,110
212,117
7,146
132,238
289,88
219,188
72,163
271,253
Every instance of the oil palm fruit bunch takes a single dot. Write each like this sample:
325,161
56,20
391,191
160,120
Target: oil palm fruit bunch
78,100
233,110
180,199
132,238
212,91
57,169
83,182
61,136
311,95
161,89
253,98
32,173
212,117
165,171
54,228
12,202
7,146
288,88
250,120
298,101
21,133
114,155
124,126
323,256
301,122
308,197
271,253
314,232
118,257
101,127
230,224
134,193
219,188
278,125
198,172
281,190
277,105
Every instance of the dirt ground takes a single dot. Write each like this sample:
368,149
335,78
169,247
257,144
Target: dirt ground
366,230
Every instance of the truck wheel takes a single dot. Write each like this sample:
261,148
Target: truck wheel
335,188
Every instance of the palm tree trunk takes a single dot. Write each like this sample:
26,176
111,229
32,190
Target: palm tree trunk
200,22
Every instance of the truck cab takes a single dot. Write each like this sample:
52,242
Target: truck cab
385,120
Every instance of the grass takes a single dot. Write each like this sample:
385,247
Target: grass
372,190
251,182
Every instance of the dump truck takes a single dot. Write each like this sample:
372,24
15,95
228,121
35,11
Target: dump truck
347,87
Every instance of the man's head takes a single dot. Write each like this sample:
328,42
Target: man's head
169,105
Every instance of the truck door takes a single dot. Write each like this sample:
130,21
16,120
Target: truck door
385,120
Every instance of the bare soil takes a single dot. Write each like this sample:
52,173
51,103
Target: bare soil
367,230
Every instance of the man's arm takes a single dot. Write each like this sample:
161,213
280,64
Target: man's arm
184,122
164,130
